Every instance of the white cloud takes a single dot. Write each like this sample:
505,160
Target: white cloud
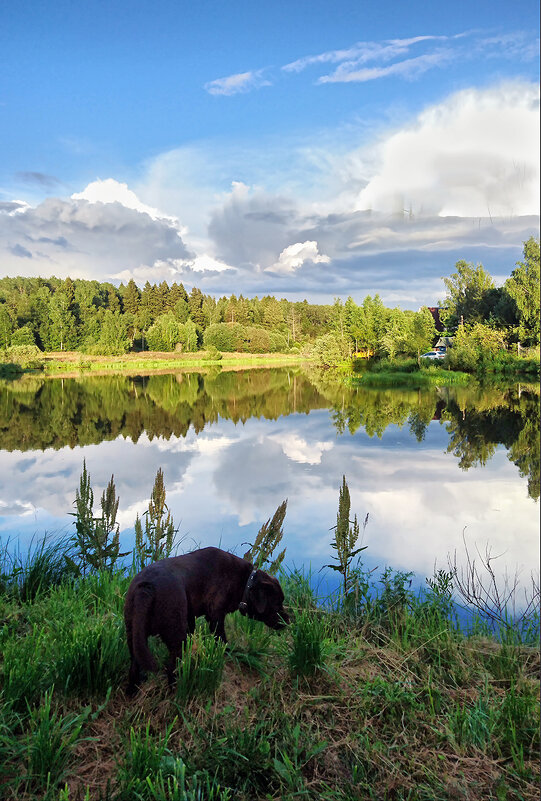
474,155
459,181
294,256
86,239
299,449
409,68
111,191
361,53
235,84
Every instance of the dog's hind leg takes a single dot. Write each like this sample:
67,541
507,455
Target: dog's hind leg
174,626
135,675
174,642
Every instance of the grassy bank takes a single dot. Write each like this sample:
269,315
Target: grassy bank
62,364
58,364
402,372
405,373
383,698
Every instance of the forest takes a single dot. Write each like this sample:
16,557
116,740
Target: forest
100,318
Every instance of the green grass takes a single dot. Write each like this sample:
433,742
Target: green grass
188,361
422,377
381,696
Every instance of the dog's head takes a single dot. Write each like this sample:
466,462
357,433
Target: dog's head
265,601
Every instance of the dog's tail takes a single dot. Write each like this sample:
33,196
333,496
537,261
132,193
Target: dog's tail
143,600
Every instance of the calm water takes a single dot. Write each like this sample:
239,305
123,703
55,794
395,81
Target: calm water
426,466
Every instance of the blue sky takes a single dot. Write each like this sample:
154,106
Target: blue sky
304,149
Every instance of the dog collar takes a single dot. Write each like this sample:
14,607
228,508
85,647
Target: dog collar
243,606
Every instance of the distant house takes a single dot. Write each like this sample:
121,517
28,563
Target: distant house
443,344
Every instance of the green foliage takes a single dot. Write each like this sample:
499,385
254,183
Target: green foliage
346,534
172,784
146,756
308,651
60,332
42,567
27,357
223,336
113,336
249,643
90,656
97,539
468,294
214,355
166,333
51,740
23,336
475,345
5,327
156,541
199,671
329,350
523,287
268,538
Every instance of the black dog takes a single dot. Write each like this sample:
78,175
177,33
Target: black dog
166,597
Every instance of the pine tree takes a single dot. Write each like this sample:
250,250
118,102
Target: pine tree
131,297
195,306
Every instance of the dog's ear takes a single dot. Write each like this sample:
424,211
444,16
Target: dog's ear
260,594
260,600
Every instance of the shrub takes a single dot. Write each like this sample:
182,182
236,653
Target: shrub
329,350
23,336
225,337
27,357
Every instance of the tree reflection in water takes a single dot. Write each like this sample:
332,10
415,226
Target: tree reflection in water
37,413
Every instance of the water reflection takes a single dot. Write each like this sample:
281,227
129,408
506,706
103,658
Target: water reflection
234,445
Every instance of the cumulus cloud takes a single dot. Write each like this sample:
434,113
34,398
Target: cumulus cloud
87,239
458,181
251,227
294,256
111,191
239,83
474,155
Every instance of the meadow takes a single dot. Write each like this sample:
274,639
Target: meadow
376,692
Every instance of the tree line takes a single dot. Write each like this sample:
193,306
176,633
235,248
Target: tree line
94,317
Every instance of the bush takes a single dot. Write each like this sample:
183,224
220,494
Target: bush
475,345
224,337
278,343
23,336
27,357
213,355
329,350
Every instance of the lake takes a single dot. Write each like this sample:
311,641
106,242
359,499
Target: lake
428,467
